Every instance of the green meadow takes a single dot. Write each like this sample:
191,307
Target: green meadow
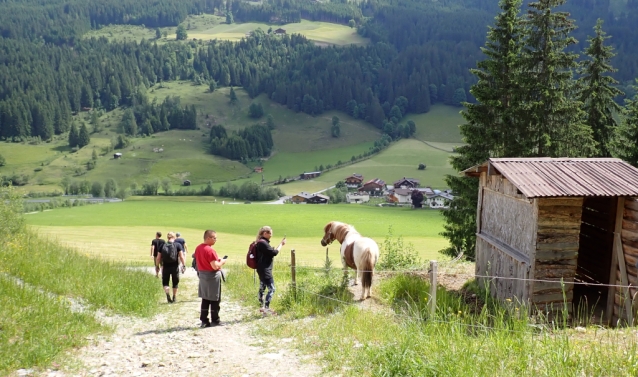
209,27
302,143
123,231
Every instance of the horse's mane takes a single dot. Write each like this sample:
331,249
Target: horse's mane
339,229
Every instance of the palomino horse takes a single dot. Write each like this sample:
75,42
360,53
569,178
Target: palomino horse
357,252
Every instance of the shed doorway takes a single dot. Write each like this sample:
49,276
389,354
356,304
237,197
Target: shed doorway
596,241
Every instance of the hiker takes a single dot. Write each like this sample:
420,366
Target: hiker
156,247
170,257
181,241
209,267
265,255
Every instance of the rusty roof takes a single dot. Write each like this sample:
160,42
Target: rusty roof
552,177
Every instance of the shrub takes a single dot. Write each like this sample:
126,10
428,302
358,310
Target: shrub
395,255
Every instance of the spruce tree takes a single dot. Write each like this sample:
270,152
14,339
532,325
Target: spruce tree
554,117
83,136
73,136
625,143
233,96
491,128
597,90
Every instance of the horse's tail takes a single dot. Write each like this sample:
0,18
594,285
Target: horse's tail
367,266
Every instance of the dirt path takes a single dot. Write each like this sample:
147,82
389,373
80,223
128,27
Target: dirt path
172,344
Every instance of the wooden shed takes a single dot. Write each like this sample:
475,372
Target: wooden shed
541,221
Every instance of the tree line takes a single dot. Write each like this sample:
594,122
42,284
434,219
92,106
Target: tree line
536,97
246,144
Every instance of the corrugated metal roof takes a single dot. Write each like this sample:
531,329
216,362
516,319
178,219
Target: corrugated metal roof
552,177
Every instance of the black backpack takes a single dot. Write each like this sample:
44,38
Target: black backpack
169,253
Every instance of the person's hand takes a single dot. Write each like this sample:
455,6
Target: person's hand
283,242
183,269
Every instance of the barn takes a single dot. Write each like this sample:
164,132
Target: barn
542,222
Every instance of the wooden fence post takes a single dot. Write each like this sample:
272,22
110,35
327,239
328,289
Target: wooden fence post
293,271
433,284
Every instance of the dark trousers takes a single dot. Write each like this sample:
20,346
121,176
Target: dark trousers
214,311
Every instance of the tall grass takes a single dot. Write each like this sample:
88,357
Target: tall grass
34,327
103,284
458,341
39,279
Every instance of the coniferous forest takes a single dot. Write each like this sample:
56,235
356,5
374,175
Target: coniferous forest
537,78
421,53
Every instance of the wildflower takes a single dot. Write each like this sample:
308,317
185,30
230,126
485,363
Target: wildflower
508,299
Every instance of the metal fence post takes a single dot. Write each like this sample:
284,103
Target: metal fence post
433,284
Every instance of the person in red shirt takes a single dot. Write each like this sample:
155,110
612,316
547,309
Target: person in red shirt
209,266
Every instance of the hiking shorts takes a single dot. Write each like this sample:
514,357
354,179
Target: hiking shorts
170,272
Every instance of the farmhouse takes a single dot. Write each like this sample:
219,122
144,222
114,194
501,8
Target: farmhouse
356,197
406,183
354,180
301,198
280,31
374,187
258,169
400,196
318,199
544,221
310,175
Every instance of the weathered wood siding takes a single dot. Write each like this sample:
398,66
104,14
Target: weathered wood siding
492,261
559,221
505,244
629,238
509,220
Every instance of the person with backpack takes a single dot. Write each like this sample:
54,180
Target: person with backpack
265,257
170,256
209,267
156,247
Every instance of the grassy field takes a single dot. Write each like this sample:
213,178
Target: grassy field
302,143
209,27
132,224
440,124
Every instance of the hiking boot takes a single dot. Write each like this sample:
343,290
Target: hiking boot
216,323
174,298
168,298
204,325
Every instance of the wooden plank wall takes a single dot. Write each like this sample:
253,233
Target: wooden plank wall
491,261
509,220
557,243
629,238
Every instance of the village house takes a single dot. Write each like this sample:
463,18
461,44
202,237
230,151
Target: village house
354,181
400,196
374,187
307,198
556,234
258,169
357,197
406,183
280,31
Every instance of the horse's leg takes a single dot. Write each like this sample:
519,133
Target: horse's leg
356,276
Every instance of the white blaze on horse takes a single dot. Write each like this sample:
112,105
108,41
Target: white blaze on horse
357,252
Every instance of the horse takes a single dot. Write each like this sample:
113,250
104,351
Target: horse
357,252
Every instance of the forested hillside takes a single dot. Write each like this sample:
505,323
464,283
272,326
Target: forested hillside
421,53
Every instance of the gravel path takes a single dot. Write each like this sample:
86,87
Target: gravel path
171,343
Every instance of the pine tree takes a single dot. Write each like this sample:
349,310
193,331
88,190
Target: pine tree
73,136
625,142
233,96
490,130
554,119
597,90
83,136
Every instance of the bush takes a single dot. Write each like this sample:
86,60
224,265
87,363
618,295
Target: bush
395,255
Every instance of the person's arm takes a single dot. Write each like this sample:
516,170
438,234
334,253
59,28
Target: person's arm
152,249
217,264
181,257
158,260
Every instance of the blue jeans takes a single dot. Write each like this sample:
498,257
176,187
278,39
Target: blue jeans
263,284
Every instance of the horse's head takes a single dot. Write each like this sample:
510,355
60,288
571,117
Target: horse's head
334,230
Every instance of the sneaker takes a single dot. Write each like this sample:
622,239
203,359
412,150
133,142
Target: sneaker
216,323
204,325
168,298
174,299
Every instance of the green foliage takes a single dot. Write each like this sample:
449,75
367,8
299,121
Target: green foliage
212,85
229,17
180,33
624,144
128,125
73,136
251,142
120,142
421,166
597,90
395,255
3,161
83,136
270,122
110,188
256,110
233,96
